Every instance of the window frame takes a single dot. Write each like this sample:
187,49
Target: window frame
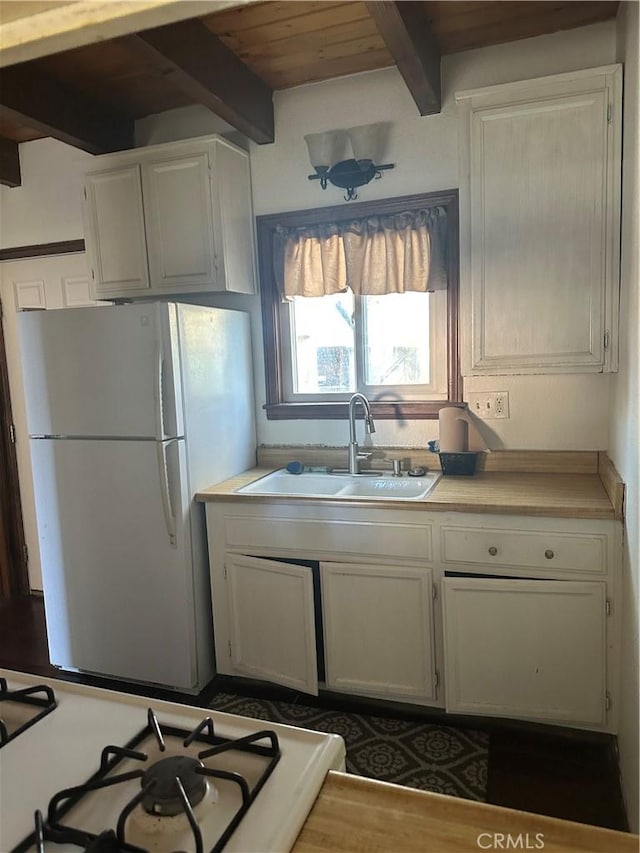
276,406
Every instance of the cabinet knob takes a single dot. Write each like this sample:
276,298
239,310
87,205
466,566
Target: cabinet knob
493,550
549,554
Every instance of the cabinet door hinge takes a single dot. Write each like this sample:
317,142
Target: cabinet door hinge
607,700
12,433
607,606
225,572
606,341
84,189
609,113
434,592
436,674
229,647
25,555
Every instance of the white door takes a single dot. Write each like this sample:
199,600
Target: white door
527,649
99,372
378,630
114,226
179,222
272,622
115,551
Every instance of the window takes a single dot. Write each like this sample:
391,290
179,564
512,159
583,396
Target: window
400,349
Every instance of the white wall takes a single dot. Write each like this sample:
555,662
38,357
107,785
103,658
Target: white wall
625,405
47,207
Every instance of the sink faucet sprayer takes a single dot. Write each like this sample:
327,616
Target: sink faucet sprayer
369,425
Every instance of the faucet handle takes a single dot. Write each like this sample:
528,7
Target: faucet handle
396,465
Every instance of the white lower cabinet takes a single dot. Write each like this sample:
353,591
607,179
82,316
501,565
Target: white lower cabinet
531,649
494,615
378,630
271,622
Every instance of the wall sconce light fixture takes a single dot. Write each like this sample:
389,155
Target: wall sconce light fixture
327,152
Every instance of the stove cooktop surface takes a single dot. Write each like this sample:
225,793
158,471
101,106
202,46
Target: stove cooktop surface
94,736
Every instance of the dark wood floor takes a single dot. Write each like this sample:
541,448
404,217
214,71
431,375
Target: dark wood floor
559,772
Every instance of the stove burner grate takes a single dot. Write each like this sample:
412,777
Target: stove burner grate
173,789
40,696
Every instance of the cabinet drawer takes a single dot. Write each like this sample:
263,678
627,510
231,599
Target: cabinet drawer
553,551
311,537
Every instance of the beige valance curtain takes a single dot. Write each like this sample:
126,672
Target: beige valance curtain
394,253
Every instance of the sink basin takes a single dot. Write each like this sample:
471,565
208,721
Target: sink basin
350,486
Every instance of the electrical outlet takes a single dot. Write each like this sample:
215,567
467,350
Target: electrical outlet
501,405
489,404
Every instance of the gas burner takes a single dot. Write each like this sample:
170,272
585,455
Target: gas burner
162,781
20,709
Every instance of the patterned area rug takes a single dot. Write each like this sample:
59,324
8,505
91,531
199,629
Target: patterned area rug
433,758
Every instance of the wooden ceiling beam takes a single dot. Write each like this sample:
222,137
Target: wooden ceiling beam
38,100
202,66
9,163
406,31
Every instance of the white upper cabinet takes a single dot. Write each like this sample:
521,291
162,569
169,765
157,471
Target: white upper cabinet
170,219
540,223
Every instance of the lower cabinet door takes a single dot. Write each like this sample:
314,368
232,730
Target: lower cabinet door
525,648
272,622
378,630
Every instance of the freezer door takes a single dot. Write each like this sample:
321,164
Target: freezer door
102,372
116,558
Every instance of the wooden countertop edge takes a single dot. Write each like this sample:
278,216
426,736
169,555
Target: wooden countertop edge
485,504
352,813
612,483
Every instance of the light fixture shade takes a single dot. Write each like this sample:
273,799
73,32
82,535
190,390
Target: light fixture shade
368,142
326,149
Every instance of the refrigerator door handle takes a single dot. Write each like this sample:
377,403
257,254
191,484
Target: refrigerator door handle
159,392
165,491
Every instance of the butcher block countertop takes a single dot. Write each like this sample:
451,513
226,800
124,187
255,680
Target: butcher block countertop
568,495
353,815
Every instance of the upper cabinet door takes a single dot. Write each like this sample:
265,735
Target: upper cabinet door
543,223
179,222
115,236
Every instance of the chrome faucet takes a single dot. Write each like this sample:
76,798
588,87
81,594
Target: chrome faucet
369,425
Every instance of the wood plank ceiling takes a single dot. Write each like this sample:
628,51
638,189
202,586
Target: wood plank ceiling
232,61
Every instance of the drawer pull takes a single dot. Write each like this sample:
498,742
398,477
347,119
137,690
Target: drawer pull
493,550
549,554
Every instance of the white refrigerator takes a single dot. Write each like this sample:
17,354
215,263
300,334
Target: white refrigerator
132,409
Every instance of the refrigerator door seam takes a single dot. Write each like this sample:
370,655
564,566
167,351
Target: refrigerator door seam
103,437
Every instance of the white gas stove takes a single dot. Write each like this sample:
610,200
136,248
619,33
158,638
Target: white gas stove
83,768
